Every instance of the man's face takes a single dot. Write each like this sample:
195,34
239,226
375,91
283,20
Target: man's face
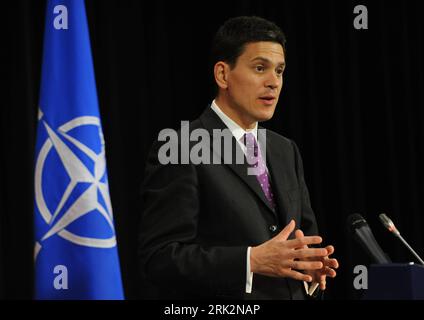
255,82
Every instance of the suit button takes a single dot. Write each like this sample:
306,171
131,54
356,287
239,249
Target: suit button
273,228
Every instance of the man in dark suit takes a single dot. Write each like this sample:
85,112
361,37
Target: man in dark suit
214,230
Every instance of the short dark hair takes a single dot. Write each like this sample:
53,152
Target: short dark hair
235,33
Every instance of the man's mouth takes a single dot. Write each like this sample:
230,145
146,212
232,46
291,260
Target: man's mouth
268,100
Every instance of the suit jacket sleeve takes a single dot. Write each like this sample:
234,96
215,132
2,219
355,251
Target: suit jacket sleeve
170,253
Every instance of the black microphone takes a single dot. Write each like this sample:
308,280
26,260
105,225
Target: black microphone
362,233
388,223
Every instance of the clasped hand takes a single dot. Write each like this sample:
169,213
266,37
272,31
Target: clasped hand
280,257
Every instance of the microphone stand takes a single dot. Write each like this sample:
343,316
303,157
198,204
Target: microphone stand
388,223
409,247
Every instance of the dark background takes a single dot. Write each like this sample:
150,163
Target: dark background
352,101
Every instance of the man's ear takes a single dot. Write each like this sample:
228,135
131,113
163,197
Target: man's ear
221,70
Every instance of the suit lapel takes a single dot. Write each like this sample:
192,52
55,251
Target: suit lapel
210,121
275,163
251,180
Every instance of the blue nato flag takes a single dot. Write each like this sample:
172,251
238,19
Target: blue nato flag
75,251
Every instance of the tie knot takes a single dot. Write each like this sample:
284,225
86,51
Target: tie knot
249,140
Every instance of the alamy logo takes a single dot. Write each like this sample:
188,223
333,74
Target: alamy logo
199,146
61,280
360,282
361,20
86,189
61,20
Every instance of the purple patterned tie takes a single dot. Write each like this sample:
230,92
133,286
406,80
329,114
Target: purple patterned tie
254,158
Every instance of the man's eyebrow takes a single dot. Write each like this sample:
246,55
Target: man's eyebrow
263,59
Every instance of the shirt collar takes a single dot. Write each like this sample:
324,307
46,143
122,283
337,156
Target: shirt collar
237,131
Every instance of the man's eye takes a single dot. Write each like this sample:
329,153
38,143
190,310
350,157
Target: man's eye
280,72
260,68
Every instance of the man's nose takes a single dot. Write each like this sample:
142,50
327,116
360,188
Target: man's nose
273,81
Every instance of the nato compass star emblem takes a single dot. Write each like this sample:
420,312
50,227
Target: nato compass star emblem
88,201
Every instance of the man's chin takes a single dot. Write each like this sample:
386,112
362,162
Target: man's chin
265,116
